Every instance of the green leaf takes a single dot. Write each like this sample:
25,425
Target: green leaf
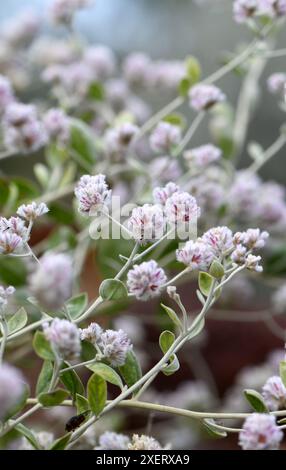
216,269
28,434
166,340
113,289
45,378
13,271
172,367
61,443
82,142
184,86
193,69
282,369
172,315
17,321
213,429
205,283
42,346
96,91
176,119
42,174
72,382
96,393
82,404
76,305
53,398
256,400
106,373
131,370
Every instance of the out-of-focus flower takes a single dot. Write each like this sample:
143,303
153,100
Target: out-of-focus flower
113,441
165,136
243,195
145,280
181,207
5,293
117,93
162,169
196,255
11,388
6,93
279,299
101,60
136,68
144,442
51,282
57,125
92,333
32,211
219,239
147,223
260,432
64,337
274,393
203,97
244,9
160,195
115,345
118,139
21,29
62,11
92,194
276,83
44,439
272,8
202,156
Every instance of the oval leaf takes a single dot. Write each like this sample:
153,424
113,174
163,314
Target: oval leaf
96,393
205,283
45,377
172,315
131,370
113,289
106,373
256,401
82,404
28,434
172,367
76,305
53,398
213,429
216,269
42,346
72,382
283,372
61,443
17,321
166,340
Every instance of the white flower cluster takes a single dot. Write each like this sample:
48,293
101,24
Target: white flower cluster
92,194
114,345
114,441
64,337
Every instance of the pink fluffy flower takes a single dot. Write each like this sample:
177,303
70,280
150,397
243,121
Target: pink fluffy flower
260,432
147,223
203,155
219,240
145,280
92,193
181,207
64,337
274,393
164,137
196,255
203,97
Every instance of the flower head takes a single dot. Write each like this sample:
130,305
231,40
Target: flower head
115,345
144,443
62,11
101,60
147,223
274,393
202,156
244,9
260,432
272,8
5,293
113,441
92,193
181,207
145,280
14,225
118,139
219,240
32,211
11,388
203,97
276,83
92,333
196,255
252,263
9,242
57,125
136,68
51,282
253,238
238,255
160,195
165,136
64,337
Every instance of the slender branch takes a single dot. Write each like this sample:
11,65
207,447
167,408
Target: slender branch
189,134
268,154
4,329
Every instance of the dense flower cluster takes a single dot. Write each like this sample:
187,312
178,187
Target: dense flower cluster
5,293
64,337
146,280
260,432
92,194
274,393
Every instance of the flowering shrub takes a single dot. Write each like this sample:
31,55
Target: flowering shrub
116,179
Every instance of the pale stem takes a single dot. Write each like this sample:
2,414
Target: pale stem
153,246
4,329
128,262
268,154
81,364
189,134
177,277
273,54
240,268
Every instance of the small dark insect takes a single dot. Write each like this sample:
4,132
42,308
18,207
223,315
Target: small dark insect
75,421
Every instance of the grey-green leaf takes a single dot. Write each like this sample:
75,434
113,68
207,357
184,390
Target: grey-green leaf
256,401
213,429
76,305
61,443
72,382
113,289
53,398
42,346
205,283
283,372
82,404
131,370
17,321
172,367
166,340
45,377
172,315
96,393
107,373
28,434
216,269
